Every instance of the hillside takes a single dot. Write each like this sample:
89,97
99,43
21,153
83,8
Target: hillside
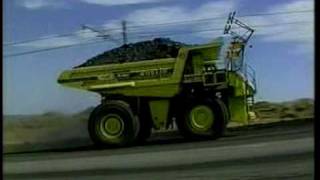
291,109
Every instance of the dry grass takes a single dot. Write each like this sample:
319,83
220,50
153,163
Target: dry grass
300,108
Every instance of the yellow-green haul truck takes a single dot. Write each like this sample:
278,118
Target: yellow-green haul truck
201,90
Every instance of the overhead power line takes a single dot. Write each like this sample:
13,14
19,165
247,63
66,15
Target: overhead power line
54,48
144,35
55,36
220,17
168,33
158,24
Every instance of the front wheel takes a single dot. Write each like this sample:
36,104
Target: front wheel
113,124
202,119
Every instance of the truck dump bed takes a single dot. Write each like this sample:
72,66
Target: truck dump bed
150,78
155,77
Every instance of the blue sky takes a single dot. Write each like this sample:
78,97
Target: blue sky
282,54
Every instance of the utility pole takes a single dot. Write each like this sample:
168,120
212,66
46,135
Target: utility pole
124,32
101,33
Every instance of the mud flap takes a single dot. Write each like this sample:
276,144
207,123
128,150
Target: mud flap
238,111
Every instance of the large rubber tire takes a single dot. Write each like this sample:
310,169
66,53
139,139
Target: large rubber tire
225,112
113,125
202,119
144,132
145,122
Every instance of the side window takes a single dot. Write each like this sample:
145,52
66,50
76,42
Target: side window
197,63
189,67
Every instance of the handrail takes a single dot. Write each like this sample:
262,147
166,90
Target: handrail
246,70
249,75
220,64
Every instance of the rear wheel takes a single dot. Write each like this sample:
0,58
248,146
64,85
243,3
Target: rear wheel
202,119
113,124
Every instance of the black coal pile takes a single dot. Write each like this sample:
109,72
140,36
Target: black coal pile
144,50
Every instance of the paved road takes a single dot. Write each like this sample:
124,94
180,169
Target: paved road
278,152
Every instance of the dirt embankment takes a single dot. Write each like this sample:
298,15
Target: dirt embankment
296,109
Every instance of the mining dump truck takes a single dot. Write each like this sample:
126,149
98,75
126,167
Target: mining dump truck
201,90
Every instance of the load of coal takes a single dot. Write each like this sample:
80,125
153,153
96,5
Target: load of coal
144,50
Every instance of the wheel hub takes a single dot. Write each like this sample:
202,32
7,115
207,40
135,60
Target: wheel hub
111,126
201,117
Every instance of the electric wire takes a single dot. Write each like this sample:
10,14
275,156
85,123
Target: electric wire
168,33
146,25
